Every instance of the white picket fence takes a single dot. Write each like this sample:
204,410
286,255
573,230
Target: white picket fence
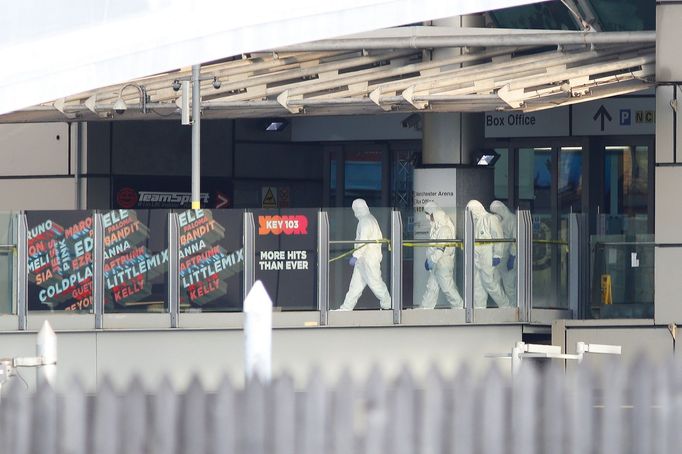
634,410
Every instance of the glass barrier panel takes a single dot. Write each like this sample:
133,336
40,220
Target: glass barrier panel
359,258
495,259
60,260
286,256
433,259
135,260
211,266
622,276
8,262
550,263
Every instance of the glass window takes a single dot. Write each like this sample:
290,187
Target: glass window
625,15
626,190
502,175
570,185
547,15
135,260
286,256
622,276
363,177
343,282
441,286
211,267
60,260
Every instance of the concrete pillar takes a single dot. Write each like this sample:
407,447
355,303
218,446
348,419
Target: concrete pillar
668,206
449,138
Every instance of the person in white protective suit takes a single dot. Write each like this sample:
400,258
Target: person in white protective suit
440,261
508,266
366,260
487,257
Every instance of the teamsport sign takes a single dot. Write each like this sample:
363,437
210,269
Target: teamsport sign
211,259
286,256
60,252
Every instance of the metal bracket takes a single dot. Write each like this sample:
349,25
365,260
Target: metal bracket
249,252
98,271
524,276
22,272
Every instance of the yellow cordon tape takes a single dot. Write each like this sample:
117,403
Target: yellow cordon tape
459,244
347,253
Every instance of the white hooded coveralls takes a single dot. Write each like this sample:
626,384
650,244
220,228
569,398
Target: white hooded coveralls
367,270
509,228
443,258
487,280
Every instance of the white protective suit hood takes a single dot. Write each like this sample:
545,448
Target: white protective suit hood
360,208
477,209
430,208
500,209
441,219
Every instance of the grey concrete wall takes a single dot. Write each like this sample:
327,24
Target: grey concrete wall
668,277
654,341
180,354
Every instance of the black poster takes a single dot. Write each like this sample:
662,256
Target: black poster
136,192
60,256
286,256
135,260
211,260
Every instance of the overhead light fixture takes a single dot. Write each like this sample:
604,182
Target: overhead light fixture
276,125
412,121
486,157
120,105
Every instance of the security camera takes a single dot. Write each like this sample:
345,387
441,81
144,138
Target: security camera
120,106
412,121
216,83
176,85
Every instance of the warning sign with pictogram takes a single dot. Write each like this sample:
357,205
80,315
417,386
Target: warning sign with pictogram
269,199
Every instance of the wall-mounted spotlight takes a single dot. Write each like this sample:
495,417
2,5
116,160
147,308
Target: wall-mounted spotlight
216,83
176,85
276,125
120,105
485,157
412,121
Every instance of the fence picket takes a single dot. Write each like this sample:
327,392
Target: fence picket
164,420
612,420
314,411
493,418
375,413
253,433
432,418
193,419
221,422
580,437
134,418
343,421
44,421
73,419
106,430
464,415
541,410
15,418
401,422
642,389
525,406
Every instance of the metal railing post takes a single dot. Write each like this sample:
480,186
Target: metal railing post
173,270
396,265
22,272
524,264
98,271
468,266
578,265
323,266
249,252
